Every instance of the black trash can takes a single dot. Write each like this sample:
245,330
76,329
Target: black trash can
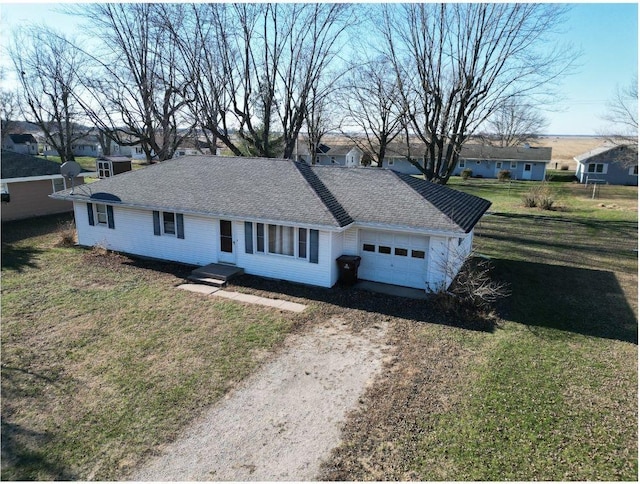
348,266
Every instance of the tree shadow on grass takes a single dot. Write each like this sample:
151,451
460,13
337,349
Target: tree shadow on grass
18,258
583,301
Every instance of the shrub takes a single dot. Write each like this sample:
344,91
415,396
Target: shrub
466,173
504,175
67,235
539,196
473,293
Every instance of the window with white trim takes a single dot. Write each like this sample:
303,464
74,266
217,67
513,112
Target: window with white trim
390,161
461,164
514,164
104,169
58,184
595,168
101,214
169,223
299,242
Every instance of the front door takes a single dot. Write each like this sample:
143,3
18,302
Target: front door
226,253
526,174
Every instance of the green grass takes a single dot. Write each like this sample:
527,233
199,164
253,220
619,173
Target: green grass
86,162
103,359
551,392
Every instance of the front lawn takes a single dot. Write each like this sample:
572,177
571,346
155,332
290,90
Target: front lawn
104,361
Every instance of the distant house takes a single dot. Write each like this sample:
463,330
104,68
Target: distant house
86,146
26,183
609,163
107,166
20,143
283,219
338,154
523,162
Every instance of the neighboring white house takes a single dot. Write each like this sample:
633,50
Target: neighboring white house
283,219
337,154
24,143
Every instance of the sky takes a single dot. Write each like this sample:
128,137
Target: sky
607,34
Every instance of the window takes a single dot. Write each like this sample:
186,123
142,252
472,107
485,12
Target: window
498,165
302,243
402,252
333,159
169,223
595,168
104,169
461,164
259,237
417,254
139,150
101,214
514,164
280,240
368,247
58,184
383,249
4,192
633,170
390,161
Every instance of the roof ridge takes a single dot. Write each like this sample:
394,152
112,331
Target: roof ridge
324,194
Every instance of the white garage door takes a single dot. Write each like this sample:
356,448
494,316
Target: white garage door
393,258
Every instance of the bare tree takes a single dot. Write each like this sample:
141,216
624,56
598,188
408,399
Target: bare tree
48,66
374,105
514,123
322,118
138,90
9,106
622,114
254,68
457,63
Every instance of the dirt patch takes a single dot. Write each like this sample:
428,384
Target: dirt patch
283,421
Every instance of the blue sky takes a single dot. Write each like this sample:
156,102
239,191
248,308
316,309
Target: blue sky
607,33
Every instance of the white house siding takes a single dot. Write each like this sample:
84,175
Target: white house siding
337,249
133,234
286,267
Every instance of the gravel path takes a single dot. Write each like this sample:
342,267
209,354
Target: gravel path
285,419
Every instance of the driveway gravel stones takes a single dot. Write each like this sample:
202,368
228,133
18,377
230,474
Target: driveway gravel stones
285,419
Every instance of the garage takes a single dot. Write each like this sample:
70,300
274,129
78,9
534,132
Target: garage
393,258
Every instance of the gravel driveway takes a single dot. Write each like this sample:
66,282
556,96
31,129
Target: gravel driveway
283,420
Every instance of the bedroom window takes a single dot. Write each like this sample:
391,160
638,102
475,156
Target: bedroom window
101,214
168,223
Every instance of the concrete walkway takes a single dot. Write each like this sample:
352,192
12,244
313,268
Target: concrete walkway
246,298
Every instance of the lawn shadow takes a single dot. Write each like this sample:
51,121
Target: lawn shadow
18,258
21,459
583,301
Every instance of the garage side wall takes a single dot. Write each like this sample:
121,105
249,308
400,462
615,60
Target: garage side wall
446,257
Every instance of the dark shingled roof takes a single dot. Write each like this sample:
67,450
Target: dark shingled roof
21,139
286,191
18,165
